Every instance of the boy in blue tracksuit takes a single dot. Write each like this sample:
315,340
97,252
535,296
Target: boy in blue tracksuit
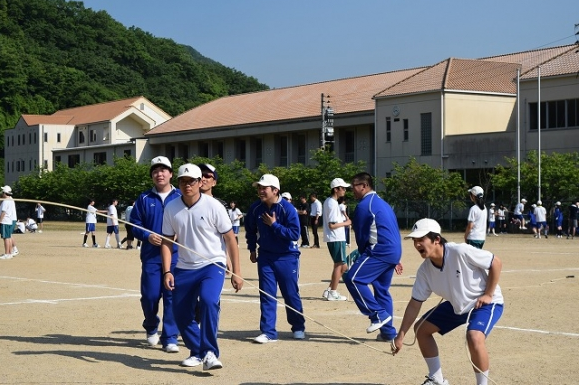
273,224
148,214
379,244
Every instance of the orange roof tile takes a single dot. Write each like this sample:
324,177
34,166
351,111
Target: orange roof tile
33,120
346,96
100,112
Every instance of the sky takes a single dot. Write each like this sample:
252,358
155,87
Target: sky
289,43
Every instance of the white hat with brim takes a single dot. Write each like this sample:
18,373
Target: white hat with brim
189,170
160,161
287,195
268,180
423,227
7,190
339,182
476,190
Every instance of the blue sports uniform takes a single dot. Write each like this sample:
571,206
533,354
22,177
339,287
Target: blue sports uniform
379,244
148,213
278,262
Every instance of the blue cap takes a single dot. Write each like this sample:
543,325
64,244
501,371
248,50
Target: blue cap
210,168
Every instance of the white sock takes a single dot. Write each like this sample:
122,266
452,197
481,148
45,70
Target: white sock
434,365
481,378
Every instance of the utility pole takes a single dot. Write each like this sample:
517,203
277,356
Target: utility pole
327,131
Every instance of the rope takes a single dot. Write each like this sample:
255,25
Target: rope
207,259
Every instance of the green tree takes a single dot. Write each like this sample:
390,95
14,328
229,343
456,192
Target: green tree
559,178
424,190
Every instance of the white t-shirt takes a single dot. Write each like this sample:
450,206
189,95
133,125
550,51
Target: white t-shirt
315,208
31,224
112,218
519,209
200,228
21,227
461,280
342,208
9,207
540,213
234,216
479,219
491,215
331,213
91,214
40,211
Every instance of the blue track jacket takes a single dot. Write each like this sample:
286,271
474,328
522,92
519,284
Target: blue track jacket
148,213
376,229
280,239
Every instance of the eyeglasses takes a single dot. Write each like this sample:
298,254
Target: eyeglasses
207,175
190,182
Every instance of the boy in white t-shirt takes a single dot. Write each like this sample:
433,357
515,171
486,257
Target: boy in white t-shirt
458,272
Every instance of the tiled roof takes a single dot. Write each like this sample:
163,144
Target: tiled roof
346,96
458,74
530,60
33,120
101,112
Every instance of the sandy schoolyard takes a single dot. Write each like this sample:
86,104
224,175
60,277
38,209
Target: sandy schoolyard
71,315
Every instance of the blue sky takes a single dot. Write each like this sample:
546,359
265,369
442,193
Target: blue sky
287,43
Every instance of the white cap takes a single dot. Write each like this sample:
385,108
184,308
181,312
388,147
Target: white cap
423,227
558,203
476,190
492,205
160,161
539,203
268,180
534,205
287,195
7,190
189,170
524,200
339,182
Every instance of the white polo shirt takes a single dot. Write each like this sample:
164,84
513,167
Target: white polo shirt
200,228
461,280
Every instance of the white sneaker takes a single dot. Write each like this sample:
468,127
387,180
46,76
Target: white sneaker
430,381
6,256
263,339
299,335
325,293
190,362
85,245
377,325
210,362
107,246
171,348
152,339
335,296
15,251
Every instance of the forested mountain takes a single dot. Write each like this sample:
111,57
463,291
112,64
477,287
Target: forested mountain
56,54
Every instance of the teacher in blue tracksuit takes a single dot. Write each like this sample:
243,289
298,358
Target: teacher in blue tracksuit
272,233
147,214
379,245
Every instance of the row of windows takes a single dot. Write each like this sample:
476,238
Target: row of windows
21,139
20,165
554,114
98,158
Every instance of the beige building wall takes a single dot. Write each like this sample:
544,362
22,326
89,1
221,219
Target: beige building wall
474,113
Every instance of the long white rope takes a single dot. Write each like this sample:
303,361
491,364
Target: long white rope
218,265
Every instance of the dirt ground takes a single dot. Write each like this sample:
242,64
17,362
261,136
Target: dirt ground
71,315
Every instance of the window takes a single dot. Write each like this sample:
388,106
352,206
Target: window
45,164
258,144
46,137
100,158
93,136
283,151
240,150
19,140
23,139
405,130
301,146
58,137
349,146
220,149
35,138
426,140
57,159
388,130
73,160
554,114
30,137
81,137
127,153
204,149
